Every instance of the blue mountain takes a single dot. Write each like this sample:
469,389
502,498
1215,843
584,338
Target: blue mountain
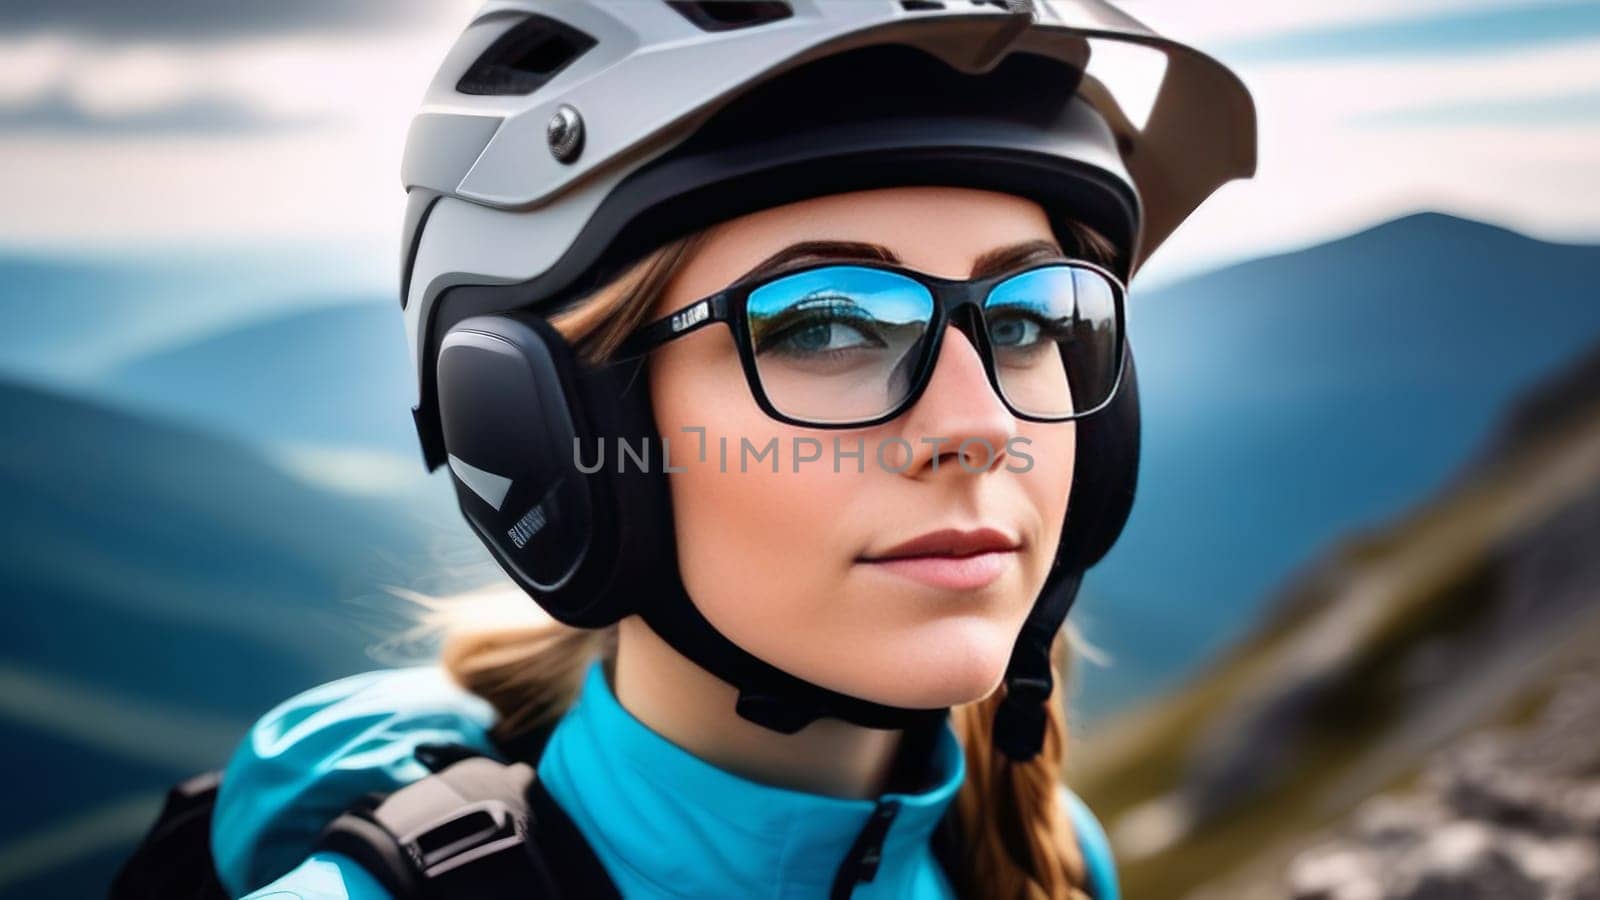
332,372
163,586
1292,399
71,316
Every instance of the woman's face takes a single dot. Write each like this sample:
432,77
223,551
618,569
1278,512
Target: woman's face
782,562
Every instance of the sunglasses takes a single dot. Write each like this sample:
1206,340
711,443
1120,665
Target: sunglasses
836,345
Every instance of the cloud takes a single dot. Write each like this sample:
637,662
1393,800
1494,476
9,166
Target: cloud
1201,23
95,177
57,113
1510,135
199,20
51,83
1348,142
1430,34
1566,107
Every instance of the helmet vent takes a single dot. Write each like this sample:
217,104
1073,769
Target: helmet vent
729,15
525,57
920,5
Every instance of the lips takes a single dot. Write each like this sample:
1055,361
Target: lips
950,542
950,559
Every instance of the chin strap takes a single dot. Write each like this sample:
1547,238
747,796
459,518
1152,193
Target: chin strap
774,699
768,696
1019,723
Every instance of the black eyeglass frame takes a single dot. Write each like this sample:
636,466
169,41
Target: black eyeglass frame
958,301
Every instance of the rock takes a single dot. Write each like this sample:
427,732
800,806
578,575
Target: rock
1465,861
1503,815
1336,873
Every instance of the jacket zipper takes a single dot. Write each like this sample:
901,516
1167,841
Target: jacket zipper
861,863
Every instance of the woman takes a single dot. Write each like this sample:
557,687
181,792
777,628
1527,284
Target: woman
778,352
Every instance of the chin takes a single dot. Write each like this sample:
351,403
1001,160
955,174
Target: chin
962,664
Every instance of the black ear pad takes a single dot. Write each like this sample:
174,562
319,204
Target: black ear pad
1104,476
534,441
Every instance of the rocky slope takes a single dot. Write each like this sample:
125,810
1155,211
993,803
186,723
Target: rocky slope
1508,814
1390,665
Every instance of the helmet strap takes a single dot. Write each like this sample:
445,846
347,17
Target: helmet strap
1019,723
768,696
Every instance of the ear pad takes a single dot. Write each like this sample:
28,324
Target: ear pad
1104,476
533,440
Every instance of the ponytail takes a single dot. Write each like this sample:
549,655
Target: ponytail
1017,839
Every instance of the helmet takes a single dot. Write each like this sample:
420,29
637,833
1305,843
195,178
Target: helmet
563,139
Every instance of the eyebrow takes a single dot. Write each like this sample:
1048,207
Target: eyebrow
992,262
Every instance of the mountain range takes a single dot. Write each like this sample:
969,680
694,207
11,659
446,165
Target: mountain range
195,528
1289,400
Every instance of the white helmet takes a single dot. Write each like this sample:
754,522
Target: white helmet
526,164
564,139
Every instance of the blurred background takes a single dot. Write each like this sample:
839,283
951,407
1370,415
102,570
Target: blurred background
1348,647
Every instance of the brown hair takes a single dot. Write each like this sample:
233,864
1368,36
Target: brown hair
1016,838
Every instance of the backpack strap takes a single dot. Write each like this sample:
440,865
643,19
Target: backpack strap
174,859
477,828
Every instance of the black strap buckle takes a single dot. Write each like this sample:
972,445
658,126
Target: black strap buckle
474,833
1024,689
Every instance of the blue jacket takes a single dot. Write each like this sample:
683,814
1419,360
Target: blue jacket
639,799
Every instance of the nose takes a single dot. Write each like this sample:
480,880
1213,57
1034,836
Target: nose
958,421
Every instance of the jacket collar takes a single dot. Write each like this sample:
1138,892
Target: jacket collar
664,820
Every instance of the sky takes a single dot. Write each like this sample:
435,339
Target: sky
198,122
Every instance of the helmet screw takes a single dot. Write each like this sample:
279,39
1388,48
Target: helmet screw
565,133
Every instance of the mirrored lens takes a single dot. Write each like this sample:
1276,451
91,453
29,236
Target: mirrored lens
1054,334
838,344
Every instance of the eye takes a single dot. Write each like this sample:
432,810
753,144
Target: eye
819,326
1014,332
816,337
1021,330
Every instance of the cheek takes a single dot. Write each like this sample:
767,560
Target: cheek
760,551
768,557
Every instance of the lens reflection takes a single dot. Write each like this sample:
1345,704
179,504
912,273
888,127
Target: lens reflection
1054,335
837,343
